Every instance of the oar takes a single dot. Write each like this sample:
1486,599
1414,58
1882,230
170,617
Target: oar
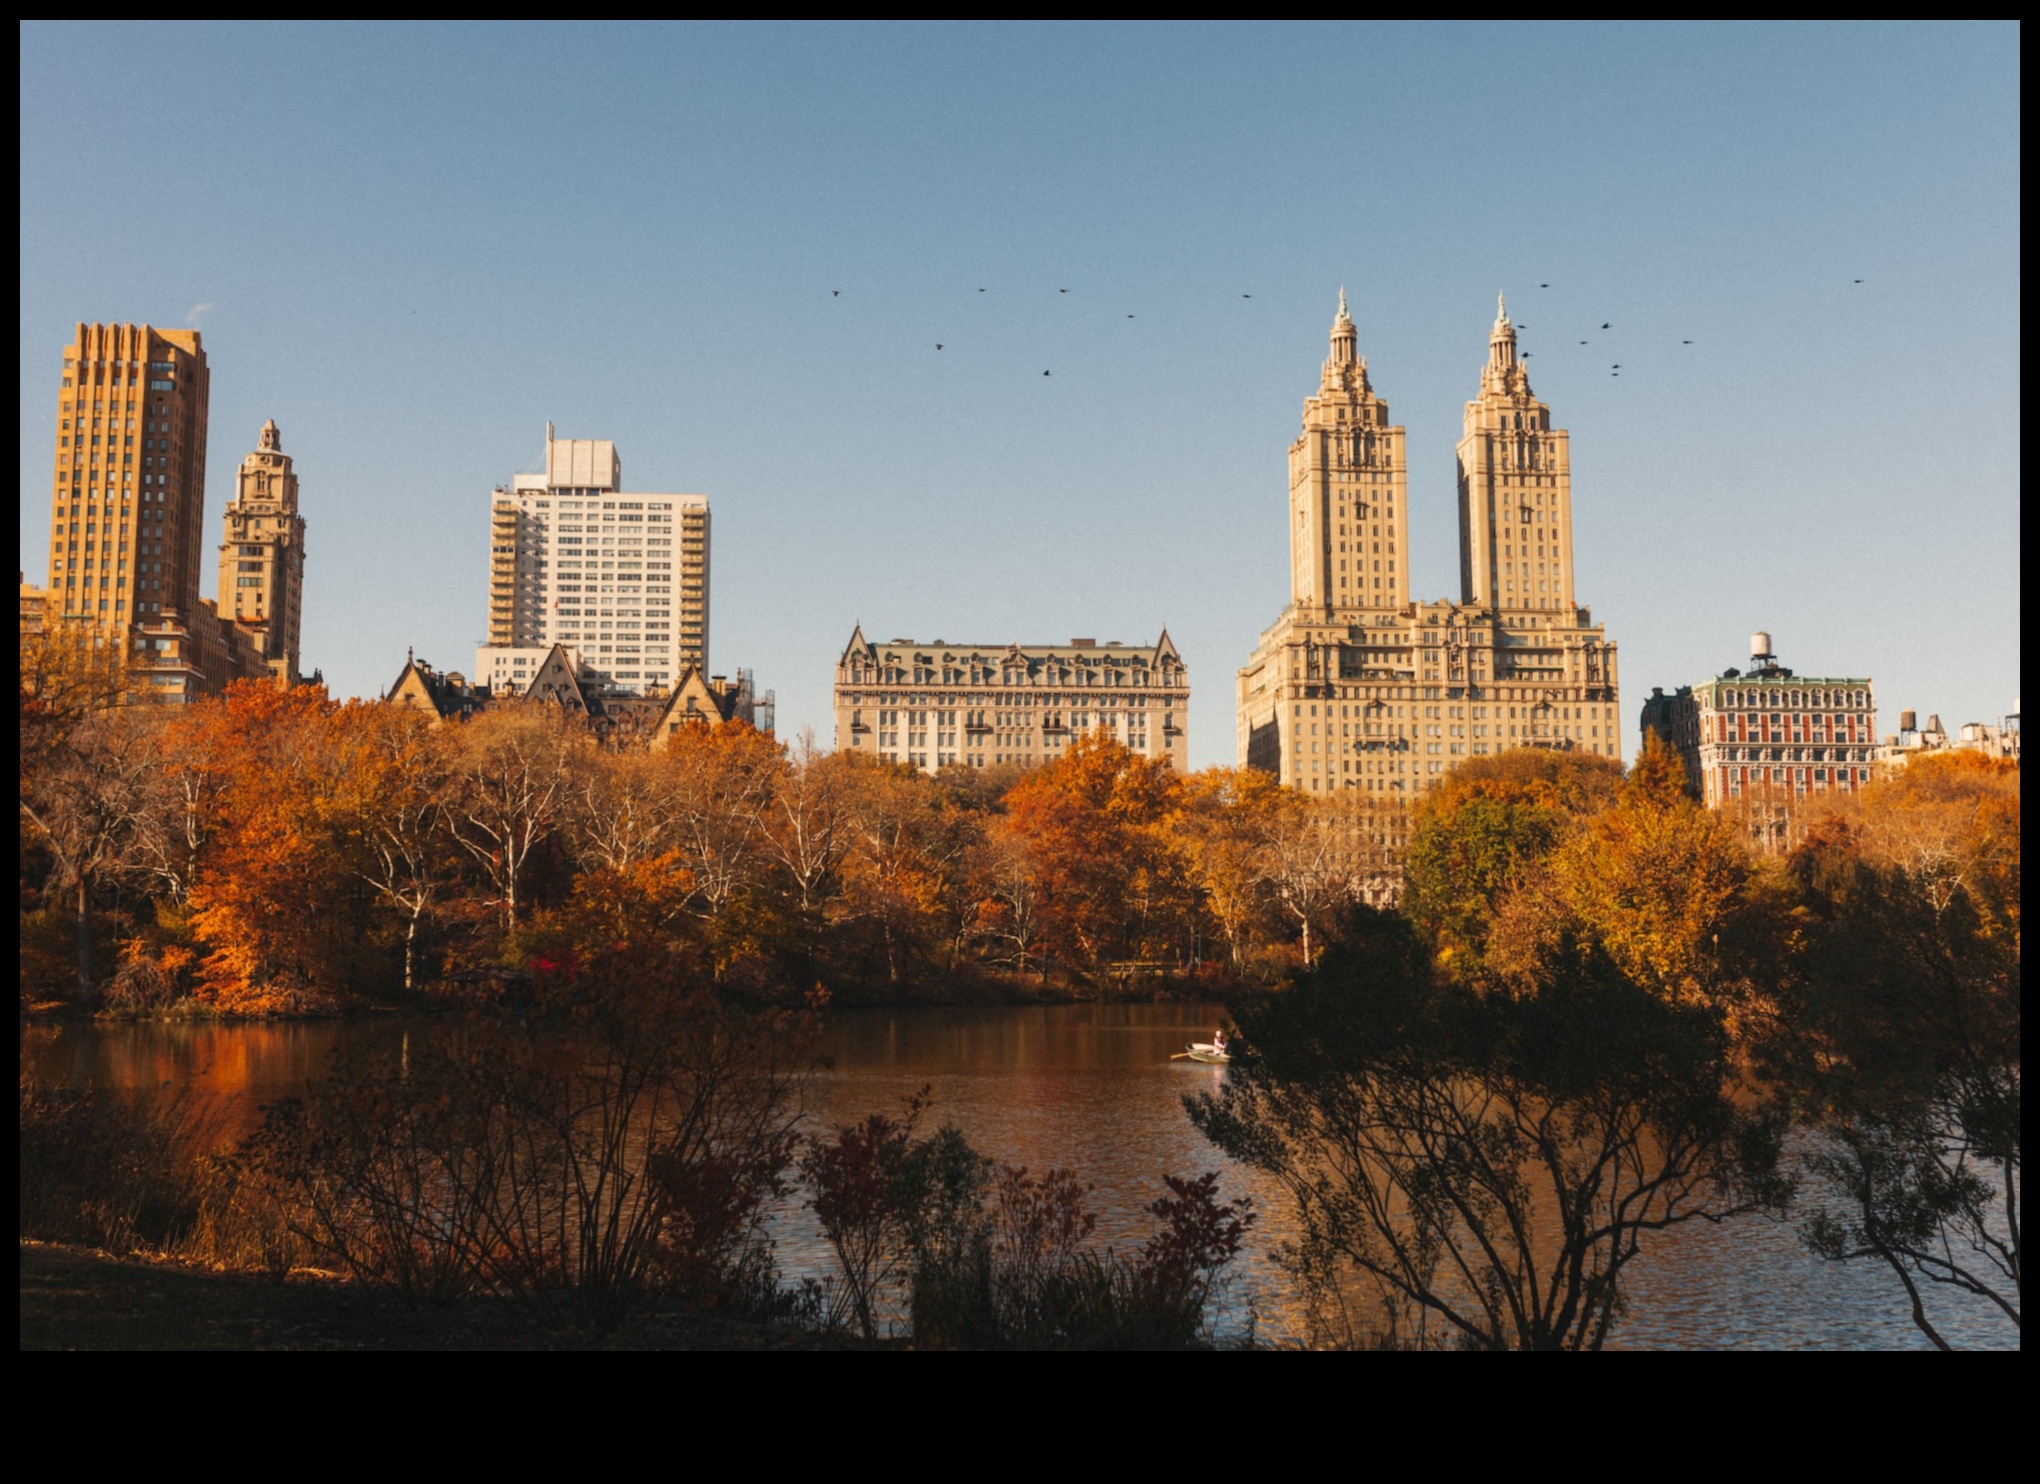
1179,1056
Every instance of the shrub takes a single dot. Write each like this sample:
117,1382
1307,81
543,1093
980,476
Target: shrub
103,1170
985,1258
1033,1283
615,1147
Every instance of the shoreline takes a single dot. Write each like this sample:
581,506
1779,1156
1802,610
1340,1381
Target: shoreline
1157,989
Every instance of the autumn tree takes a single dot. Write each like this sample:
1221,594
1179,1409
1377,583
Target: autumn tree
1491,818
1490,1165
88,790
903,840
194,759
622,807
723,779
1901,1035
1665,888
512,782
277,901
807,828
1006,912
1222,826
1108,880
1320,854
393,793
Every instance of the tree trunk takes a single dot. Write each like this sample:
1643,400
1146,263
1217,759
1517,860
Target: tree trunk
410,950
84,941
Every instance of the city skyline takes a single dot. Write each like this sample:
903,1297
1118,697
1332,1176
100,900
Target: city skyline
752,309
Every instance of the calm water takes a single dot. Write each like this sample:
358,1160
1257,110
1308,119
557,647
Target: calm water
1089,1088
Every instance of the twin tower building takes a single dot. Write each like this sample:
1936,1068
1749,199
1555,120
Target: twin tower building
1357,687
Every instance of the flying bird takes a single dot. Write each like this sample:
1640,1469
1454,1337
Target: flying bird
1129,316
1044,373
1857,280
1544,285
1605,327
981,291
1583,342
835,293
1246,296
938,345
1616,367
1685,342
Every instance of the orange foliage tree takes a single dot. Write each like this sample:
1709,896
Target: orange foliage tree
1221,825
904,839
275,901
1492,819
1108,880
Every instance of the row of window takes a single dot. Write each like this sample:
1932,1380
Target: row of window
928,675
1026,703
1759,698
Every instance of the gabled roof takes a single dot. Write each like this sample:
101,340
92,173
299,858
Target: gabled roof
698,699
558,680
447,697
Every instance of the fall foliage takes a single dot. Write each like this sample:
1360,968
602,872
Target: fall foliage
271,850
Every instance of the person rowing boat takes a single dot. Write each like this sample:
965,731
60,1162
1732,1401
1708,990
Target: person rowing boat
1215,1052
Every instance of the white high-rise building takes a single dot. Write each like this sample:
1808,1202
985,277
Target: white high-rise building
621,579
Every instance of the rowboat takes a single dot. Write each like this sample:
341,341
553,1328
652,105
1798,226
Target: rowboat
1204,1051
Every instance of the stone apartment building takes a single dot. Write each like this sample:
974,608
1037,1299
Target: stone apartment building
1768,731
936,703
1357,687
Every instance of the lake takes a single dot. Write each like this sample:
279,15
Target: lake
1089,1088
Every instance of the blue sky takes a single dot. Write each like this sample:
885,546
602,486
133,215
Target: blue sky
733,250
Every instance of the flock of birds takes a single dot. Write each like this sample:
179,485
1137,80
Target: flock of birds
1615,368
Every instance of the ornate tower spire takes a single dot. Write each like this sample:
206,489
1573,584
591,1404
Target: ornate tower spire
262,559
1345,339
1515,490
1502,339
1346,473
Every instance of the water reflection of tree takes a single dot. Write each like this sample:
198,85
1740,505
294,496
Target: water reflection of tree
1903,1040
1489,1163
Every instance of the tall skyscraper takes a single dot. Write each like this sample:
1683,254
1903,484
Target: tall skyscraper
129,492
126,511
262,559
1355,687
1515,490
1348,508
620,579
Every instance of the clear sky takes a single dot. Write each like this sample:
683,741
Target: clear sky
733,249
